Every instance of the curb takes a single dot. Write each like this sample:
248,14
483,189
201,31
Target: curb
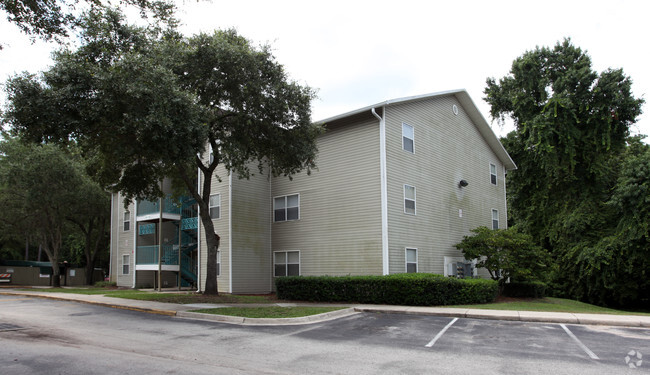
268,321
522,316
112,305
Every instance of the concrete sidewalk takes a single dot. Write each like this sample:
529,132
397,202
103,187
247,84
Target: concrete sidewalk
182,311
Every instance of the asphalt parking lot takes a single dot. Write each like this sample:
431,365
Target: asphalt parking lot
582,346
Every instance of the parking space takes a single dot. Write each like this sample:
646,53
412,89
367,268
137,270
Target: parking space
592,348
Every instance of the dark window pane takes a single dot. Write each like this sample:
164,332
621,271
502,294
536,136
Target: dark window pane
279,215
280,270
411,267
214,212
409,206
408,144
493,179
293,269
495,224
292,213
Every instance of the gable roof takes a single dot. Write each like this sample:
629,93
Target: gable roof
470,108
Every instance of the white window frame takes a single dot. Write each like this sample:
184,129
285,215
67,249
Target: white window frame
493,175
495,213
406,259
218,263
286,263
405,125
210,206
415,207
286,207
126,262
126,221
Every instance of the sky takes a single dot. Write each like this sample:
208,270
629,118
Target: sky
358,53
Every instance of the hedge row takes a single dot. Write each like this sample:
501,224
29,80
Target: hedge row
414,289
524,289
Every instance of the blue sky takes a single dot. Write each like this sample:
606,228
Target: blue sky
358,53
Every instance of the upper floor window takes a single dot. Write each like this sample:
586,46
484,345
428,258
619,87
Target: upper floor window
493,174
411,260
215,206
409,199
127,220
495,219
408,138
286,208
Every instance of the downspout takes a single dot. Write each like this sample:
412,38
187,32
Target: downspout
110,257
505,196
160,246
230,262
198,235
134,250
384,191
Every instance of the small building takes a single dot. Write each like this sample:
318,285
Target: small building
398,184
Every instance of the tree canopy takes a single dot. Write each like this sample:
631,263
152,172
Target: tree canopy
570,139
42,190
53,19
149,101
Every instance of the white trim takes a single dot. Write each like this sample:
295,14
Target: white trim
110,241
230,232
469,108
285,196
384,191
406,259
198,233
210,205
492,219
134,250
415,196
412,139
505,198
270,244
496,174
286,261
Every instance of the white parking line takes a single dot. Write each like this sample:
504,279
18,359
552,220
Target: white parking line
580,344
442,332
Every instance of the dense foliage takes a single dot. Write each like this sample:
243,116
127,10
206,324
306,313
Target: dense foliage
570,193
153,104
414,289
505,254
45,195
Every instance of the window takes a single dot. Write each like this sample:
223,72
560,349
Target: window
493,174
408,138
218,263
215,206
411,260
127,220
286,208
495,219
286,263
409,199
125,264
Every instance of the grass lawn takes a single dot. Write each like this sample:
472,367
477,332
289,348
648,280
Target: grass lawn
269,311
176,297
549,304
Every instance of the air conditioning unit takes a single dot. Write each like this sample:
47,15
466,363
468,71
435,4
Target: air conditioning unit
460,270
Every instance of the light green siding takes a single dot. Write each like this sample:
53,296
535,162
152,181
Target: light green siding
339,230
122,242
448,148
251,235
221,226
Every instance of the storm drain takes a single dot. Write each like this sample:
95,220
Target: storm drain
9,327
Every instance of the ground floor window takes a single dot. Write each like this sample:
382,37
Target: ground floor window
411,260
286,263
126,260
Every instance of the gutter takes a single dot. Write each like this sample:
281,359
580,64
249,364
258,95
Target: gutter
384,191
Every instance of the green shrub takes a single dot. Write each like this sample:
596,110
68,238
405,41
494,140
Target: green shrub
524,289
105,284
416,289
